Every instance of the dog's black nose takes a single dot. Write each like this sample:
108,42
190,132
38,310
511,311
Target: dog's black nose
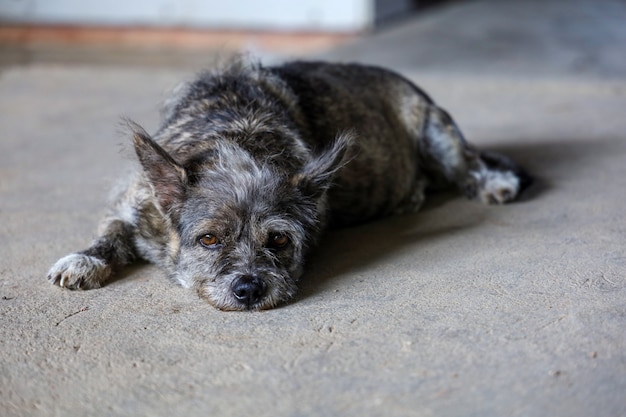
248,289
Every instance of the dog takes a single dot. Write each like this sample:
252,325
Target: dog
252,163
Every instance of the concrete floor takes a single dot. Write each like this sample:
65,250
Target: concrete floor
459,310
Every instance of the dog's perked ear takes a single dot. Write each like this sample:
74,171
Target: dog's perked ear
317,175
167,177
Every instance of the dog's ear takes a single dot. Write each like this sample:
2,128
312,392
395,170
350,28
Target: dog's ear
167,177
317,175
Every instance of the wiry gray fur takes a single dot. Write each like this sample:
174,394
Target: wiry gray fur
252,163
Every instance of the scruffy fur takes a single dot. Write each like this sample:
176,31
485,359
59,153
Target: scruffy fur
252,163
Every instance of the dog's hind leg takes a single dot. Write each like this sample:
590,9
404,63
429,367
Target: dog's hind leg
94,266
447,158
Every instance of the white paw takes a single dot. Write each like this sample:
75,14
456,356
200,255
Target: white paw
79,271
498,187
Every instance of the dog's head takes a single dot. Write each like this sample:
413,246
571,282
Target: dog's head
239,228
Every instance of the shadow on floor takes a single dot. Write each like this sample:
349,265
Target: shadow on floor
344,250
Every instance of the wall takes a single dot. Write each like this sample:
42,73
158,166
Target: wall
303,15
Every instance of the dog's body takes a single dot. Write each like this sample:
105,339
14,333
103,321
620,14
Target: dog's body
252,163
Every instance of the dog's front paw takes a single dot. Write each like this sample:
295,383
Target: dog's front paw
79,271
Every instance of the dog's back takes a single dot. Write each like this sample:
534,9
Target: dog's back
386,114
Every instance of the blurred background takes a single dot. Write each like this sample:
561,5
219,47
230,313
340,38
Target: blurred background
133,30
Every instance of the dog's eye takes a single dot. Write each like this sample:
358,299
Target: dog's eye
208,240
278,241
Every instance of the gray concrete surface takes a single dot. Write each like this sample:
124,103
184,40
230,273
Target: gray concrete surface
461,310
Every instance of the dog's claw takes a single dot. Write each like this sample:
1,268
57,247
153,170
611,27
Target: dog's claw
79,271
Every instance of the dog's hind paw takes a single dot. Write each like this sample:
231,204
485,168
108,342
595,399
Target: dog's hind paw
498,187
79,271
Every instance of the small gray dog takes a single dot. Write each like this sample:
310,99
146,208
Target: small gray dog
251,163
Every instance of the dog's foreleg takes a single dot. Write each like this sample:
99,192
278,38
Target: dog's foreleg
94,266
490,177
